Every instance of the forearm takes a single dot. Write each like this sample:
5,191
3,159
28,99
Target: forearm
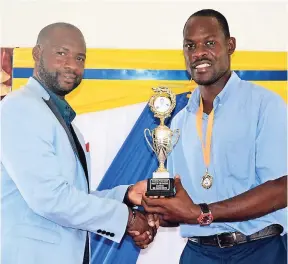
67,206
116,193
261,200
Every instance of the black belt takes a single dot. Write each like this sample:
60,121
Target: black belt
224,240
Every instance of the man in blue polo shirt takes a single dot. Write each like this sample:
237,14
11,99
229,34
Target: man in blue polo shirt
232,157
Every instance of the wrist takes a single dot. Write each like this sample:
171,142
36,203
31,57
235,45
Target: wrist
126,199
205,217
194,213
131,218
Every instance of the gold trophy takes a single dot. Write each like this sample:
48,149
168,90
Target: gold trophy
162,103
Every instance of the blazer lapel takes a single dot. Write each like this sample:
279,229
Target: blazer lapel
53,108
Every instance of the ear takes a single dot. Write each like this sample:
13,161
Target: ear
231,45
36,52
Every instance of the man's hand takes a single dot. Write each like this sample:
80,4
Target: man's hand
178,209
165,223
153,220
136,192
139,229
157,220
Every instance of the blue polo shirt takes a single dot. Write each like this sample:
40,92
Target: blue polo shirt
249,147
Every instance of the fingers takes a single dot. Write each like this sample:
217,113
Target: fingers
163,220
152,201
151,220
153,210
166,218
141,232
164,223
157,220
133,233
142,237
153,231
143,244
152,205
137,191
143,240
177,183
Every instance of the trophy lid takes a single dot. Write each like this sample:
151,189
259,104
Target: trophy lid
163,102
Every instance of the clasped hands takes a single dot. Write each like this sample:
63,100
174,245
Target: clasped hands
165,212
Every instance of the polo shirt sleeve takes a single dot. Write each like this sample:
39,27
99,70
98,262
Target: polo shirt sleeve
170,165
271,139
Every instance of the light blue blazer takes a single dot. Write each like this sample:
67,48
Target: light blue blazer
46,209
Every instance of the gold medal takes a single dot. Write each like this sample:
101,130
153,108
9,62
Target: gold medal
207,181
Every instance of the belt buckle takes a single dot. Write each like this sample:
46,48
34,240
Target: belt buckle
233,235
194,240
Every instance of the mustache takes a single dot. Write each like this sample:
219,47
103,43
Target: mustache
73,73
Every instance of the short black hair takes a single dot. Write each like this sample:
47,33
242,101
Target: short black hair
212,13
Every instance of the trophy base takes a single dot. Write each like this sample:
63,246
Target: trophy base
160,175
160,187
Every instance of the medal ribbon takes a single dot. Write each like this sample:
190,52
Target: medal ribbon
206,147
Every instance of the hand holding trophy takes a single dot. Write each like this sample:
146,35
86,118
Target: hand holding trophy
162,103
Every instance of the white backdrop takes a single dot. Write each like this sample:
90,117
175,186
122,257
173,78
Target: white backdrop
257,25
106,131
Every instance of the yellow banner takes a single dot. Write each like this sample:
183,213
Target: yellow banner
115,78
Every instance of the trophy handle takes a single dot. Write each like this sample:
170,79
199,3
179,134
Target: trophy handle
176,136
147,140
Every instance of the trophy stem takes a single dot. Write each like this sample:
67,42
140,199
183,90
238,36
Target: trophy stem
161,167
162,121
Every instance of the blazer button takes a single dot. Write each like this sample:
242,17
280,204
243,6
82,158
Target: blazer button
103,232
99,231
112,234
108,233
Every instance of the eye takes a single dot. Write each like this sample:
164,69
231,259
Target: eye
61,53
189,46
210,43
81,59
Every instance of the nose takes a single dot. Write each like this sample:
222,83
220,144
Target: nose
199,52
71,63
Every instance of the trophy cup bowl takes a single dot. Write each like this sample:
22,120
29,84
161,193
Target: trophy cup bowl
163,141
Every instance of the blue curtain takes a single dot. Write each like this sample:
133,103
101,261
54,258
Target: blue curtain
134,162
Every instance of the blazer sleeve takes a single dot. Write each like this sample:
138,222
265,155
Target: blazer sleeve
29,156
116,193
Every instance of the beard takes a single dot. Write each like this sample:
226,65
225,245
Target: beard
51,79
207,82
214,78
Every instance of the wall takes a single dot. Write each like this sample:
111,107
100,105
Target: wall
143,24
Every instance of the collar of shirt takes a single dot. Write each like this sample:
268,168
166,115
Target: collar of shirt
62,105
220,99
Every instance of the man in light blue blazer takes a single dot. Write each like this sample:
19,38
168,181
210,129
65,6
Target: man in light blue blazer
46,205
